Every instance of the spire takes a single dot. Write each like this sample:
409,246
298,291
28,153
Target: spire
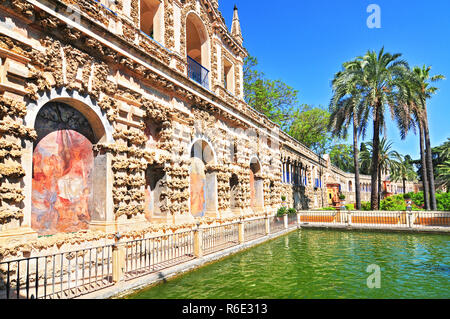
236,26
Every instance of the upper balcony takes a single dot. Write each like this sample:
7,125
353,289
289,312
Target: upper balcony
198,72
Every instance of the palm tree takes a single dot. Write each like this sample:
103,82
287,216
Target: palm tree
418,90
425,91
402,170
344,111
443,165
386,160
378,79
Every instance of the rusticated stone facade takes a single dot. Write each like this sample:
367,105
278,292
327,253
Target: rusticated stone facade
105,130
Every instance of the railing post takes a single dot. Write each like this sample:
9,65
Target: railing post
241,232
409,219
267,220
285,219
118,260
298,220
198,242
349,218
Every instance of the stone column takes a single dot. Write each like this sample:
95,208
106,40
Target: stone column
198,239
267,220
241,232
118,260
285,219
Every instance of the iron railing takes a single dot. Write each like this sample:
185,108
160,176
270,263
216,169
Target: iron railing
276,224
217,238
198,72
254,229
57,276
144,256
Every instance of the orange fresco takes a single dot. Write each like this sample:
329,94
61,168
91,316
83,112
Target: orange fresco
62,165
197,183
252,189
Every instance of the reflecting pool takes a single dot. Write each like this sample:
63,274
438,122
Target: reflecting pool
312,263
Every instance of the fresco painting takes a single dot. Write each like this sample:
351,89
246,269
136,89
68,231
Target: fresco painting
252,189
62,166
197,184
152,201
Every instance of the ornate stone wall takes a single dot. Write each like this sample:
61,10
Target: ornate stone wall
145,113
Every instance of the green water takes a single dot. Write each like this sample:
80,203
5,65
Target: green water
322,264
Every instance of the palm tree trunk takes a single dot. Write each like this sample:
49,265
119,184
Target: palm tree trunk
404,186
379,188
375,159
356,162
429,161
424,168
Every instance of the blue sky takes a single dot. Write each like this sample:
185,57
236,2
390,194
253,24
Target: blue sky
303,43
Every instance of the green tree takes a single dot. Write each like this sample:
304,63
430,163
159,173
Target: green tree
342,156
418,90
364,167
345,111
273,98
442,161
279,102
386,161
402,170
309,125
378,81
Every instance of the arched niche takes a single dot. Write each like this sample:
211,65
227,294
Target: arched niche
155,184
203,184
234,189
68,180
256,185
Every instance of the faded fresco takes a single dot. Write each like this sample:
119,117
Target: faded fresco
62,166
197,184
252,189
153,190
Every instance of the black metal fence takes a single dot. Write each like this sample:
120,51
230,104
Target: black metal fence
57,276
276,224
219,237
254,229
75,273
144,256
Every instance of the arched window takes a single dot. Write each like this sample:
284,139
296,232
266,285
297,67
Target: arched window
151,19
349,186
197,49
228,76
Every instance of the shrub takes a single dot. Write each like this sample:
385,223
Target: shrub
292,211
397,202
281,211
341,196
350,206
283,198
327,208
443,201
365,205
